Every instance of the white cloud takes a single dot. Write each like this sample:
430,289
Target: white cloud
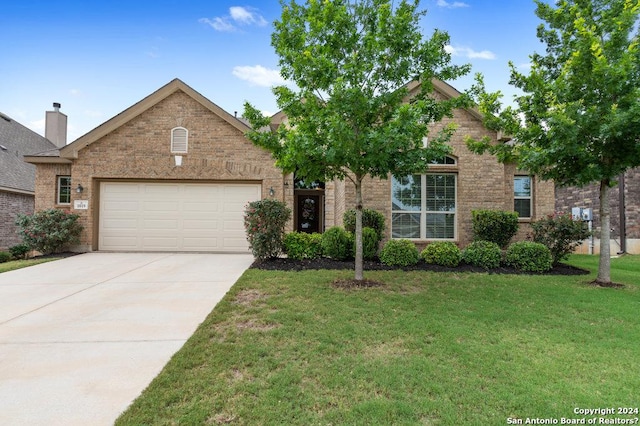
75,92
37,125
469,53
91,113
258,75
238,16
454,5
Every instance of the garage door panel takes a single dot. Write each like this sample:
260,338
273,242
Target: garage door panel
174,216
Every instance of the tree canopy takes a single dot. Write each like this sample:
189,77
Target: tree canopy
348,115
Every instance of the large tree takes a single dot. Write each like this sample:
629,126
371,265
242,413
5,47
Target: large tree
348,115
578,121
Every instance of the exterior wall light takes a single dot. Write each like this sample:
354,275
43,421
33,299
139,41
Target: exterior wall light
79,189
272,192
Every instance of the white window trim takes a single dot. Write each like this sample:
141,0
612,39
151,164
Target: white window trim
173,142
59,186
423,209
530,197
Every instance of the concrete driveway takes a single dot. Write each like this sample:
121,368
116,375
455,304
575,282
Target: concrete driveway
81,337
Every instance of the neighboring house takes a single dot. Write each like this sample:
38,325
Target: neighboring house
174,172
17,178
625,221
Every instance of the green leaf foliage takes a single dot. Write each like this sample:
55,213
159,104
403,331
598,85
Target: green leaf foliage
444,253
528,256
370,243
264,223
337,243
400,252
49,231
494,225
302,245
5,256
560,233
370,219
485,254
20,251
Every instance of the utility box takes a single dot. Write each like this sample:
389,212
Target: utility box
587,215
583,214
576,213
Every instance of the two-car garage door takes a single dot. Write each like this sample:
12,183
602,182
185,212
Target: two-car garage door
141,216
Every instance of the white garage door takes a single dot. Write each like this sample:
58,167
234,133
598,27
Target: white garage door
174,216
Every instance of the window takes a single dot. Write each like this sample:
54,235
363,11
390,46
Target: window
423,206
64,190
179,139
522,196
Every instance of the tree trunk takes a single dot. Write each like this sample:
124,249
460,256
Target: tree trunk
358,263
604,266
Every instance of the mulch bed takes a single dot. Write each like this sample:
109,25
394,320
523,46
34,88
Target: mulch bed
285,264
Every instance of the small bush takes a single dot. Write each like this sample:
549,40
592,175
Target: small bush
20,251
370,243
49,231
399,253
560,233
444,253
495,226
337,243
485,254
264,223
370,219
301,245
528,256
5,256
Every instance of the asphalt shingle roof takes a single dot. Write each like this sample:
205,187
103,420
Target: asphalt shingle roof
15,142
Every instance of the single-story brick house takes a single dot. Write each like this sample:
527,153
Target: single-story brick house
625,211
174,172
17,178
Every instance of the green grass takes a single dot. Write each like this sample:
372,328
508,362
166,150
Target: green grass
426,348
18,264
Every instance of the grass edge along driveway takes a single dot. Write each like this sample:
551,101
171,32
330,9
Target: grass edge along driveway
427,348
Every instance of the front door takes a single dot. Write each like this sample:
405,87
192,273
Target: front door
309,211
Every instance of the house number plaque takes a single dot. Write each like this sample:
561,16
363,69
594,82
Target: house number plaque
80,204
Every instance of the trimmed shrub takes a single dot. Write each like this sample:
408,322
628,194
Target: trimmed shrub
20,251
49,231
399,253
494,225
485,254
5,256
370,243
560,233
302,245
264,223
337,243
528,256
444,253
370,219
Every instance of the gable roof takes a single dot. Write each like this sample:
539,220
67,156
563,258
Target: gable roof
71,150
15,142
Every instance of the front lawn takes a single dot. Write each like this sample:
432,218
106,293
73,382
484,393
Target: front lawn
18,264
425,348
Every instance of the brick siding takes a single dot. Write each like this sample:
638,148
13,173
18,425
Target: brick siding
12,204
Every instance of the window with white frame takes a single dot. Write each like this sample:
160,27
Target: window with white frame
64,190
179,140
522,196
424,206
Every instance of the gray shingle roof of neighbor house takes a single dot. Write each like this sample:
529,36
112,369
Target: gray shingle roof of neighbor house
15,142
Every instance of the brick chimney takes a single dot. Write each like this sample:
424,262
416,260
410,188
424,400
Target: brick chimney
55,128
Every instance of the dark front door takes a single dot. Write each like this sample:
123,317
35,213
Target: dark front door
309,212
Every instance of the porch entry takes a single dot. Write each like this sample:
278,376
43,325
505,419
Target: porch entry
308,206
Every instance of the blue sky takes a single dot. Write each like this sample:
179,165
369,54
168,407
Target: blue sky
99,58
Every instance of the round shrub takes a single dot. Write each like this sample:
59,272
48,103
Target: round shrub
370,243
337,243
494,225
444,253
561,233
20,251
528,256
302,245
264,223
49,231
484,254
5,256
370,219
399,253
